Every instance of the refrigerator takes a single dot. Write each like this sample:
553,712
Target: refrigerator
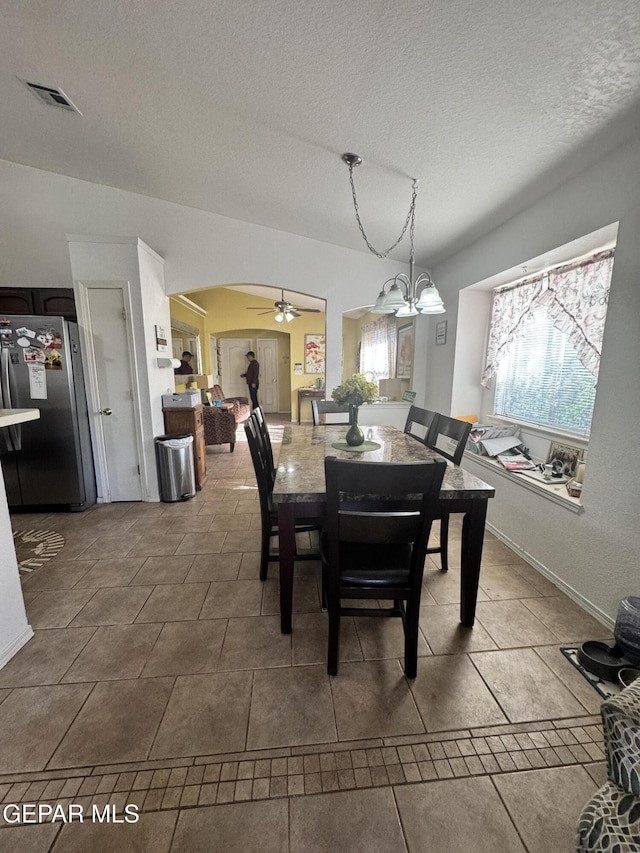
47,463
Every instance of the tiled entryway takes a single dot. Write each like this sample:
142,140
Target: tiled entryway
158,677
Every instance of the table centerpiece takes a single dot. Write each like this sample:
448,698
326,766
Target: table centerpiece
354,392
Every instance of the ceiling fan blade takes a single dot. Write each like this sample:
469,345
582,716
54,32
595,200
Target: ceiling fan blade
310,310
294,312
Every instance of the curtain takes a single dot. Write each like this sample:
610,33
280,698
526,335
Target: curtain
576,301
378,349
575,297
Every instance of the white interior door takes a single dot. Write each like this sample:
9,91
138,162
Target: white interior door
268,394
113,413
233,363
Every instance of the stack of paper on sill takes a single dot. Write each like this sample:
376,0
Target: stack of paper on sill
500,444
489,440
516,462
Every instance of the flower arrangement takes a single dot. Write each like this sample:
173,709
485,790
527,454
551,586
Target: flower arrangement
355,391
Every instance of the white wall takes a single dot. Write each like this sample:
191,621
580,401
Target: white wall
131,260
595,554
200,249
14,628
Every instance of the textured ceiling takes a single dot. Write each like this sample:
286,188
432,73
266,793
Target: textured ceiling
243,107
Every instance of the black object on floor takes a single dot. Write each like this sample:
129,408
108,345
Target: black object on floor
602,660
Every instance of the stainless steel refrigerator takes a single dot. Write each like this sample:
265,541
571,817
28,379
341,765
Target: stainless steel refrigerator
47,462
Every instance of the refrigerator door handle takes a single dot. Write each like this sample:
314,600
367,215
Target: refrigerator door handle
13,435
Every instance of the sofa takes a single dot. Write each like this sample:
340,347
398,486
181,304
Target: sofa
610,822
222,421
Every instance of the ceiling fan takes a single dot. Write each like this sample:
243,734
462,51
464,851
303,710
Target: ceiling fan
284,310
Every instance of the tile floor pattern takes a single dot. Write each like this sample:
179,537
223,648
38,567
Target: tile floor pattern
158,677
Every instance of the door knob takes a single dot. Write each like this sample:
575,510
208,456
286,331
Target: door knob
105,411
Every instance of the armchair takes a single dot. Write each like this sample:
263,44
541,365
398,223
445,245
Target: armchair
241,405
220,425
611,819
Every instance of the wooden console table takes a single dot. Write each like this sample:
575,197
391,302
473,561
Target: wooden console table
310,393
179,420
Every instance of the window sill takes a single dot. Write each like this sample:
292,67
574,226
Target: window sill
557,494
571,438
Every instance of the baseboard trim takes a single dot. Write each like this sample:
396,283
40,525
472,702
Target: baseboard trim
15,645
573,594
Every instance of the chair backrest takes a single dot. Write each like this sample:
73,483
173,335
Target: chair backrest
420,423
258,415
263,471
321,408
381,502
449,437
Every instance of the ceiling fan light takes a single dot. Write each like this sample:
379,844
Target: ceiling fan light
288,316
279,317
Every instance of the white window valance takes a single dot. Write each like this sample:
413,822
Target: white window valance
575,297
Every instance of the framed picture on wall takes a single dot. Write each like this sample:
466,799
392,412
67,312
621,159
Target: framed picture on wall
404,358
441,333
314,353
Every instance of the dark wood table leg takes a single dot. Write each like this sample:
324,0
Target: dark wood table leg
472,539
287,552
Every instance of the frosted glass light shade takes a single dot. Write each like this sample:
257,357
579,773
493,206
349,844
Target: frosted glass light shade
380,306
430,301
407,310
394,298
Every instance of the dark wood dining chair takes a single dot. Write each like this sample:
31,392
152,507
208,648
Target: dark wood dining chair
321,408
268,514
420,423
448,437
263,433
374,542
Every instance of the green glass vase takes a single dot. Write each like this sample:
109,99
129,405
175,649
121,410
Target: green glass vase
354,435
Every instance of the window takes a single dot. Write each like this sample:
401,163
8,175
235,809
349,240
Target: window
544,345
378,350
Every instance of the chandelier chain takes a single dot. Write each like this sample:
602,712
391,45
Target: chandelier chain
410,219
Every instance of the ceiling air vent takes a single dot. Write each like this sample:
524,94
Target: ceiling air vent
52,97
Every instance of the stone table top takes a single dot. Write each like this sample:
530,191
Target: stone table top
300,474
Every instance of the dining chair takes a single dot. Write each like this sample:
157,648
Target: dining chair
258,415
374,543
322,408
448,437
268,514
419,423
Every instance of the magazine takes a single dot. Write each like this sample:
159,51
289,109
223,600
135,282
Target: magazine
517,462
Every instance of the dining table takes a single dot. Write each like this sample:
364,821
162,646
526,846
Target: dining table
299,493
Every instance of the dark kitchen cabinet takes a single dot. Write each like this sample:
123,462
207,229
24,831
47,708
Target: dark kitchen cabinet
54,301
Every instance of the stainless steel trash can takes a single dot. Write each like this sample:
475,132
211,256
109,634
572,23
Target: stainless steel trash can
176,472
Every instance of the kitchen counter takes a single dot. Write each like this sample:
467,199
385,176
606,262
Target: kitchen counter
9,417
15,630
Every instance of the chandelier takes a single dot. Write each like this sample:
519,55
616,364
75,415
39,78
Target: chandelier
402,295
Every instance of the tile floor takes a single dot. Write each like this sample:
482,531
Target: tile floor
158,677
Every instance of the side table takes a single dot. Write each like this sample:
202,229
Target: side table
310,393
